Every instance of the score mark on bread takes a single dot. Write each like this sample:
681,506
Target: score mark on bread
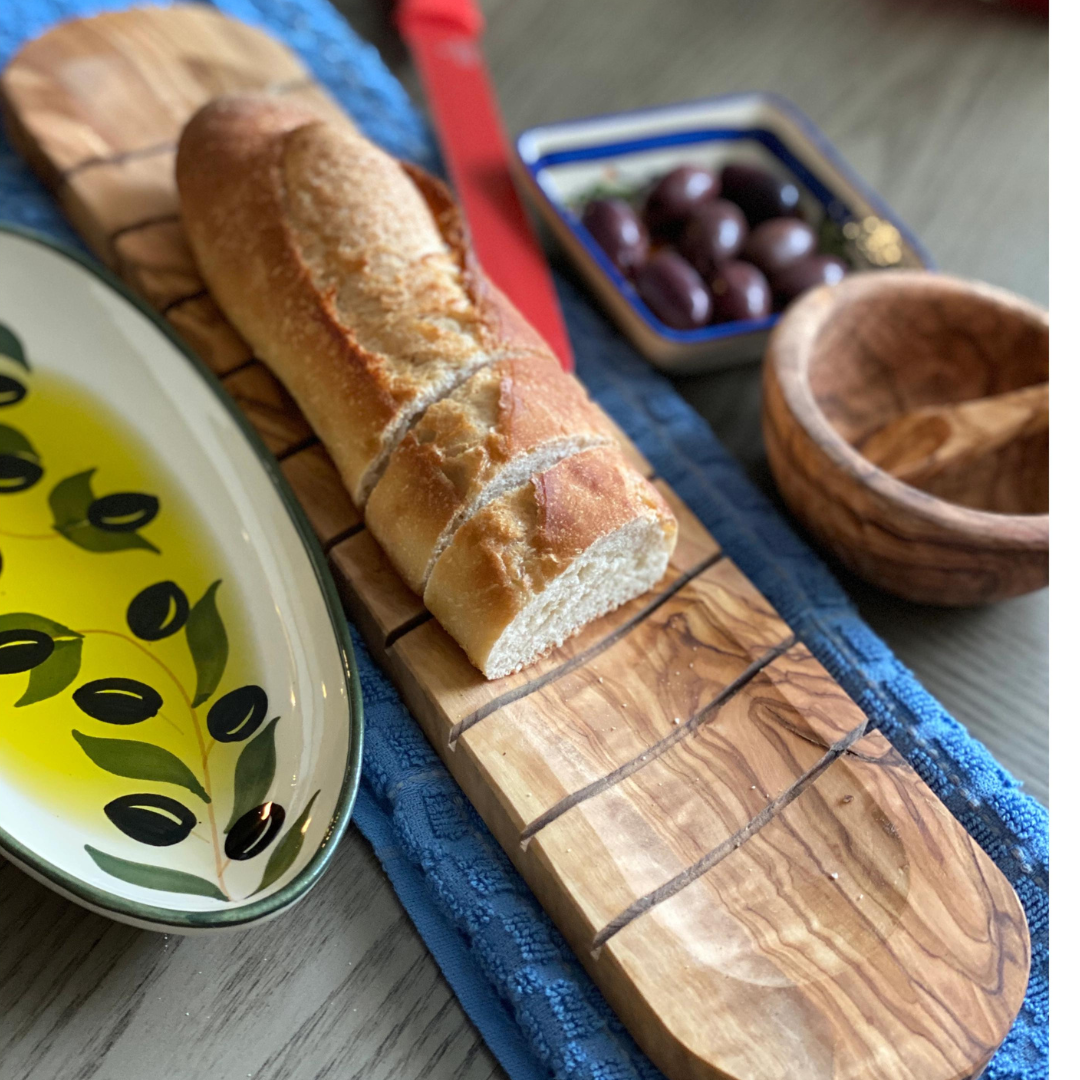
491,481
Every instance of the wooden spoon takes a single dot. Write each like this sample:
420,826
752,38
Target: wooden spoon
958,451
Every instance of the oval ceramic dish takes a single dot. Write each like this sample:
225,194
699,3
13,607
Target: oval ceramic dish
180,722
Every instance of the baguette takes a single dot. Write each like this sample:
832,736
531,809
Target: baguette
535,565
506,422
494,485
351,281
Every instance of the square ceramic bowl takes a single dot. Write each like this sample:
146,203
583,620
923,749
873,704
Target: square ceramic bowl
564,165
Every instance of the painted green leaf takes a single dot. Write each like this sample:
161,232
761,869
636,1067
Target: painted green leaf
56,674
71,498
208,643
139,761
154,877
284,855
12,347
254,773
70,503
24,620
13,441
90,538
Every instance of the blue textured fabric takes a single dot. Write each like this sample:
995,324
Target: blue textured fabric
510,967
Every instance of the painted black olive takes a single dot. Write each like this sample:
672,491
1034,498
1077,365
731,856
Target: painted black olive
18,473
11,391
238,714
151,819
22,650
158,611
118,701
124,511
254,832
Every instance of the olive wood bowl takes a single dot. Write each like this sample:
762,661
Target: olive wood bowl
861,362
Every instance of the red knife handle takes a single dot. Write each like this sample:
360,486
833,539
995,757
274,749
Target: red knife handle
442,35
462,15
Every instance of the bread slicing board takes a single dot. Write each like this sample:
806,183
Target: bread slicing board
761,888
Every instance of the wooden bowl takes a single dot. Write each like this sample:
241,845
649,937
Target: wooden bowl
847,361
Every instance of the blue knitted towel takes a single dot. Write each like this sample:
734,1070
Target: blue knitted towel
514,974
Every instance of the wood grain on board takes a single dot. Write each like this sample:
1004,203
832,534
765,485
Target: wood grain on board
674,782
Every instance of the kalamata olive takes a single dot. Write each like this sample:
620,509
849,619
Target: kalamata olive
675,195
675,292
775,245
618,230
126,511
237,714
805,274
760,193
23,650
151,819
714,233
740,291
158,611
118,700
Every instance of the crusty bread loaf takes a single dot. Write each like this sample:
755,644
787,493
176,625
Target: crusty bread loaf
491,434
495,486
535,565
350,279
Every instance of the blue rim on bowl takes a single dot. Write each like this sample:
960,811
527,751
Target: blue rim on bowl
140,913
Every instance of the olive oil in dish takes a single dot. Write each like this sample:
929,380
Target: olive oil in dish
128,693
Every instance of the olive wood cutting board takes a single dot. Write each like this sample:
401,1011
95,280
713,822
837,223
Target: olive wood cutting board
761,888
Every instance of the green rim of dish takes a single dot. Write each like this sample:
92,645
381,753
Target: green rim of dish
110,902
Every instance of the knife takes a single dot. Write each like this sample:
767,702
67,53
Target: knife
444,39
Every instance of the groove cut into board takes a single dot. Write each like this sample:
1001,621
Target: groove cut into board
808,932
266,403
597,718
200,323
682,730
156,262
791,788
631,838
757,898
375,597
464,696
314,478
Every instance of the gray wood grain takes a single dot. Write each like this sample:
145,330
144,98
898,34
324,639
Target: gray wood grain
340,986
942,106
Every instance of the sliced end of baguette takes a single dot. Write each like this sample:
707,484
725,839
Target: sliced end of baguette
540,562
507,422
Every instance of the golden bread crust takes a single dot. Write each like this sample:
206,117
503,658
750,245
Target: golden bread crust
513,548
349,274
504,415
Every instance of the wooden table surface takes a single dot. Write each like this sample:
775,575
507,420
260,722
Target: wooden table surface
941,105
